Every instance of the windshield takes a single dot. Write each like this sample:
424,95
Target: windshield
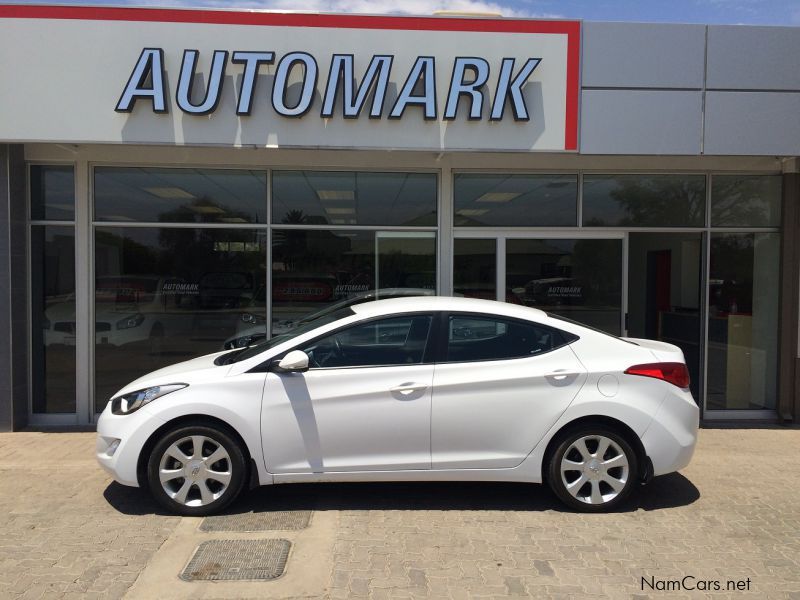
306,326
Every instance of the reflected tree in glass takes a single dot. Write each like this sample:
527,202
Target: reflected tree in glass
644,201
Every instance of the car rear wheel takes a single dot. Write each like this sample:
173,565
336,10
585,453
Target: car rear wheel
196,470
593,469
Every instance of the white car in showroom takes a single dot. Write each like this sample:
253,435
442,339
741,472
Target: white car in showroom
427,388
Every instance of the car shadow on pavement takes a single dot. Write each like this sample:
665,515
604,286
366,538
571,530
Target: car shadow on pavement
131,500
668,491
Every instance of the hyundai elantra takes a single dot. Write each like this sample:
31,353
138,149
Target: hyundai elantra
427,388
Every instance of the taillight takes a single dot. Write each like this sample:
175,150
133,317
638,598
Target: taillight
674,373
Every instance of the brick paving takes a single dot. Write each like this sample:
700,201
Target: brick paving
64,531
734,513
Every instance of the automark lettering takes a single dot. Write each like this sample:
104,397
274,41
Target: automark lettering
469,80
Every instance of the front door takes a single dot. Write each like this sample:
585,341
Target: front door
364,404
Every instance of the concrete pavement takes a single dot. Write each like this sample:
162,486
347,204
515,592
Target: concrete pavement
732,518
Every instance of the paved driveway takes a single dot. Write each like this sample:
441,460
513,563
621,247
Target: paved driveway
732,516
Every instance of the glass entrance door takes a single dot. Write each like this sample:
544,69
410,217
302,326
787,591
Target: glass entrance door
573,276
664,296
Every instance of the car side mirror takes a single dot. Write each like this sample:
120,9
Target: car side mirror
294,362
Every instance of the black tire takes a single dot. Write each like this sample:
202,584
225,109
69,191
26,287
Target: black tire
213,436
596,475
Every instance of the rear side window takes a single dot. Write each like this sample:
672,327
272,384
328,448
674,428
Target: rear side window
472,338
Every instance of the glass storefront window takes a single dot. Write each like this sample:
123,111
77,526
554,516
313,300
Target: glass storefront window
503,200
313,270
475,268
163,295
353,198
644,200
746,201
743,321
52,193
155,195
53,319
580,279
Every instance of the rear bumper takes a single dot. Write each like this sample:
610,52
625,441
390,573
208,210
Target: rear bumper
670,439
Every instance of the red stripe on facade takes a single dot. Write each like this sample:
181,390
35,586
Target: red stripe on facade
573,86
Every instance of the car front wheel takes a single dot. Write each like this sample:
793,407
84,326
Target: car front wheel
593,469
196,470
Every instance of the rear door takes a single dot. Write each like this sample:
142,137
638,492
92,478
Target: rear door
499,385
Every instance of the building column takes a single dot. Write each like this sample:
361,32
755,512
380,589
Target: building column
13,289
789,318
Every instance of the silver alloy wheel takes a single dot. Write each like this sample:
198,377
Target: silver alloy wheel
594,469
195,470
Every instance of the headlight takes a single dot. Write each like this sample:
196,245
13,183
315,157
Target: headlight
128,403
132,321
240,342
244,341
252,319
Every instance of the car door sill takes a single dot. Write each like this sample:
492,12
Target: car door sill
506,474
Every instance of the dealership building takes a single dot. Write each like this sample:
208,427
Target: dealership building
174,182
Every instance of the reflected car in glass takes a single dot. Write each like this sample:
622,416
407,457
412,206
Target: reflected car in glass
425,388
252,328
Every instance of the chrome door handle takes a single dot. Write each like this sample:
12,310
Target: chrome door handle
408,388
560,375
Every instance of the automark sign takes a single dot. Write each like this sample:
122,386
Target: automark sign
147,82
287,80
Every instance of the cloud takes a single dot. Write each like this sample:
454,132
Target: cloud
407,7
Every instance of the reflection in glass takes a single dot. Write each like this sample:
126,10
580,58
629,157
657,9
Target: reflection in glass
483,199
644,200
348,198
393,341
579,279
53,319
315,269
475,268
664,293
164,295
743,321
180,195
746,201
52,193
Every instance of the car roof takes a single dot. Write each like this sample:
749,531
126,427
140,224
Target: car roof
446,303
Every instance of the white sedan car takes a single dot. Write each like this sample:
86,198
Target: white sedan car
426,388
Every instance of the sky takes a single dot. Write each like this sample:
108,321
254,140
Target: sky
761,12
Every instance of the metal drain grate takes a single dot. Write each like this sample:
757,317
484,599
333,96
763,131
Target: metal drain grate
235,560
261,521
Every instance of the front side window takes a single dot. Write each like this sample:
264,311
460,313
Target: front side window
383,342
472,338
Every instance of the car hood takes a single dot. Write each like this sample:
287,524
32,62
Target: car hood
190,371
663,351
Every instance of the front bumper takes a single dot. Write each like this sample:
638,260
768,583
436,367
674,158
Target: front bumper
132,431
